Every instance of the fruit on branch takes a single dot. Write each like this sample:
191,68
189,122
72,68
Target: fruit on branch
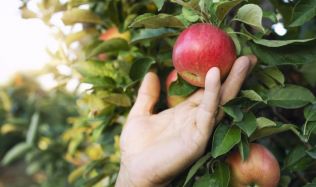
113,32
173,100
261,169
199,48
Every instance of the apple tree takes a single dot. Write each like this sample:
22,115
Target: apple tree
112,44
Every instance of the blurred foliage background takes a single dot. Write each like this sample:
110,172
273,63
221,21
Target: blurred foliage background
70,137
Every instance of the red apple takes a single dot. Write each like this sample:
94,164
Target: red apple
173,100
199,48
261,169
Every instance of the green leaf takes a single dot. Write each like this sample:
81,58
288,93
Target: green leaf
310,184
296,53
150,34
308,71
190,15
252,95
270,15
100,82
118,100
181,88
224,139
297,159
290,96
236,39
234,112
96,69
206,181
266,80
263,122
159,4
275,73
310,112
223,8
196,167
312,152
221,174
279,43
31,133
205,5
251,14
77,15
219,178
285,181
285,9
244,148
95,179
16,152
310,127
140,67
81,35
156,21
268,131
248,123
304,11
111,45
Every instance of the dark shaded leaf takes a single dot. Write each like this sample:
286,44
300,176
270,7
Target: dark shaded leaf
140,67
244,147
234,112
291,54
248,123
223,8
304,11
196,167
221,174
310,112
268,131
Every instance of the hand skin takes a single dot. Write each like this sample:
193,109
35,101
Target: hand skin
157,147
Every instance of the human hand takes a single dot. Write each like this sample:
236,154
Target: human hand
157,147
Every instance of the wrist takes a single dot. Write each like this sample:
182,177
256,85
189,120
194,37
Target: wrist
125,179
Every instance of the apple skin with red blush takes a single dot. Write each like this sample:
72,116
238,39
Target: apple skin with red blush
199,48
260,169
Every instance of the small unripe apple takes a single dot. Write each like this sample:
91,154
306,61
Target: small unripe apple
113,32
261,169
199,48
173,100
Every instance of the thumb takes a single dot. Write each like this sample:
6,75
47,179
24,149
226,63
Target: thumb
148,95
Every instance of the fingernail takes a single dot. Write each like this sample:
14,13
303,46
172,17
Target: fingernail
215,71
